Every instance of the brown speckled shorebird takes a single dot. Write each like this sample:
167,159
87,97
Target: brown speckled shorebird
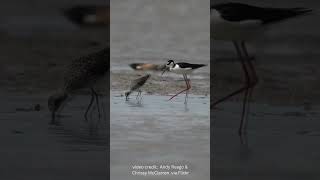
83,72
136,85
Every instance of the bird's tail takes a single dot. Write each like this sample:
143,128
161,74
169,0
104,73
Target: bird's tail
200,65
135,66
279,14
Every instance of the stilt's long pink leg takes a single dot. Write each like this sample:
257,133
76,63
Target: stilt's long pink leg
244,89
188,87
253,81
182,90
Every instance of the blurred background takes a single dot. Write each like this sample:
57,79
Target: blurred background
283,129
38,39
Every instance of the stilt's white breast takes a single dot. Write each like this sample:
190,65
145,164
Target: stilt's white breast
232,30
178,70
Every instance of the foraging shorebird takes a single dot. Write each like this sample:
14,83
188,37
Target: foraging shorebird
89,15
184,69
136,85
83,72
239,23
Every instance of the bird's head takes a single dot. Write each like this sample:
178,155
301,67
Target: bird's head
170,61
55,101
127,94
169,65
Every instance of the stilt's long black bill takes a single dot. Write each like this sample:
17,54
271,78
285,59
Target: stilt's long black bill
163,71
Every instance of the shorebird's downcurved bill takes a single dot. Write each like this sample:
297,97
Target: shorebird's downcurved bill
165,69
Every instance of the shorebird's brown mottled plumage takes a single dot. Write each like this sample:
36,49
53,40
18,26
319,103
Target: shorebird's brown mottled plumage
86,70
137,84
83,72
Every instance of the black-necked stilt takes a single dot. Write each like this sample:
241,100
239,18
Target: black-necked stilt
184,69
83,72
239,23
136,85
91,15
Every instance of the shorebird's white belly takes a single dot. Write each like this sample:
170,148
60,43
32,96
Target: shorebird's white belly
231,30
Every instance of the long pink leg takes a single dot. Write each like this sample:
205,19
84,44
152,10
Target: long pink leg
244,89
187,92
246,93
253,81
247,76
182,90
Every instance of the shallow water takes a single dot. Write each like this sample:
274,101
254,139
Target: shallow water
156,130
74,149
282,143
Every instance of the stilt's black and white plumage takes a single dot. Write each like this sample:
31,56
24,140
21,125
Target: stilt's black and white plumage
83,72
239,23
136,85
184,69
